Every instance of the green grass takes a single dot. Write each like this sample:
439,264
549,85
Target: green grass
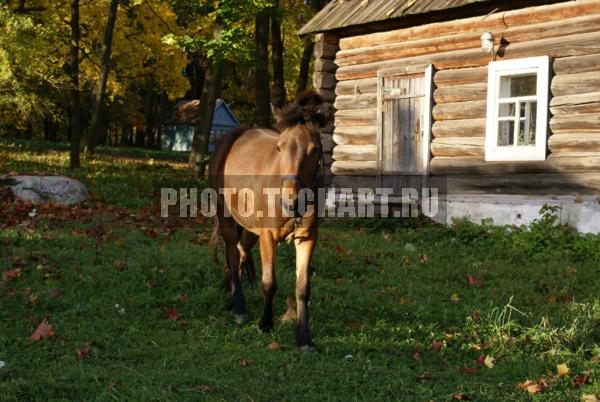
375,297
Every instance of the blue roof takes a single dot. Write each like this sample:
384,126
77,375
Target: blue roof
223,115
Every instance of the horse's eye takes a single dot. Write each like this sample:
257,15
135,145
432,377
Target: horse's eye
278,149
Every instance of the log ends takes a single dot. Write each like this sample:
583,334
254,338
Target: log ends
354,168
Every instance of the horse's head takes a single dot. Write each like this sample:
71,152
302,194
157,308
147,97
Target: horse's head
299,145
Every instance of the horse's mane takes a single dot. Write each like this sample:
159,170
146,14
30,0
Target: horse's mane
308,108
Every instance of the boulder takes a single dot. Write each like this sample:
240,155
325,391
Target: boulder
59,190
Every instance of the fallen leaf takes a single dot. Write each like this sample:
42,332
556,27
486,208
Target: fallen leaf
245,362
425,377
355,325
273,346
44,330
437,345
589,398
173,315
565,298
580,380
474,282
10,275
206,389
534,387
469,370
454,298
417,355
83,352
202,239
562,369
570,270
33,300
460,397
423,259
480,360
489,362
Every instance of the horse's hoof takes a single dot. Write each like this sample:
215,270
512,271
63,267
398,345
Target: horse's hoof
308,348
241,318
265,326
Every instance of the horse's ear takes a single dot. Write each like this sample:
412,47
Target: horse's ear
277,113
325,113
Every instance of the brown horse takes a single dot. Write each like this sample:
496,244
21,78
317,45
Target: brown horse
276,167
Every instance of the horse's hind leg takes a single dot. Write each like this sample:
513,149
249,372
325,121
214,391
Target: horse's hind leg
247,241
236,303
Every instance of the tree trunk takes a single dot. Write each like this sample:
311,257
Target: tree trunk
140,136
195,76
50,129
125,134
279,95
211,88
75,126
307,53
261,32
210,92
96,126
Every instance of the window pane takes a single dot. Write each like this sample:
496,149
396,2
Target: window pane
527,129
507,109
506,132
518,85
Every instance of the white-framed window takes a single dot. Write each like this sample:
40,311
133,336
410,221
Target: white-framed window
517,109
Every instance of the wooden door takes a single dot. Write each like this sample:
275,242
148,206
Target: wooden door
404,120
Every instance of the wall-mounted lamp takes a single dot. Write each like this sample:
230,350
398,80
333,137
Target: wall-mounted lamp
487,42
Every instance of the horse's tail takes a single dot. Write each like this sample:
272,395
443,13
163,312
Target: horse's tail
250,268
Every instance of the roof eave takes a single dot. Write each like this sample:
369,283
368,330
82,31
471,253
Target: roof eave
463,11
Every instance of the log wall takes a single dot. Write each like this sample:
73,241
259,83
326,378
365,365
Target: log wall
568,32
324,81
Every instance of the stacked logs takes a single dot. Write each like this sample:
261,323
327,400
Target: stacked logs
326,47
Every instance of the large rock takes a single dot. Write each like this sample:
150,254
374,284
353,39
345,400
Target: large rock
46,189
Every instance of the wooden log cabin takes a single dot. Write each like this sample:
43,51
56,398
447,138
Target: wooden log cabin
499,99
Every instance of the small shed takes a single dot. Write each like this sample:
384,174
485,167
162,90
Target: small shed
498,100
178,131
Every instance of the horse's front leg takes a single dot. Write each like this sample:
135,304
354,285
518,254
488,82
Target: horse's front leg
304,250
268,246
